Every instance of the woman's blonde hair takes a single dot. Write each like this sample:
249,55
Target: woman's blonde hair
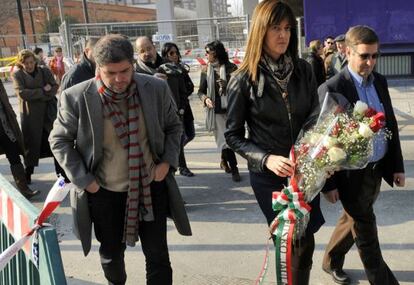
315,45
22,56
266,14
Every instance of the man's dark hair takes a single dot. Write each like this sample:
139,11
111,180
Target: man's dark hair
37,50
113,48
218,48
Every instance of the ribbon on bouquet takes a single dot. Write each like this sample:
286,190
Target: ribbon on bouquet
292,207
53,200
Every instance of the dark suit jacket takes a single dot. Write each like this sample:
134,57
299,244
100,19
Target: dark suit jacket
393,161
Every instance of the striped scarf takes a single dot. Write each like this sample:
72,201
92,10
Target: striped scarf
139,204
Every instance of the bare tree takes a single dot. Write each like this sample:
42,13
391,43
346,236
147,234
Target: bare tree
9,9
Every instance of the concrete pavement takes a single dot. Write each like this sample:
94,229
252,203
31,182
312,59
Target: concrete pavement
229,231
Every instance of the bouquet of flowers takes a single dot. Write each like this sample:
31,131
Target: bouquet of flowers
341,138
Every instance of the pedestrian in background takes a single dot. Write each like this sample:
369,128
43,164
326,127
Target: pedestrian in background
11,144
83,70
182,87
275,93
359,189
107,137
39,56
316,61
148,59
57,65
36,90
213,93
337,61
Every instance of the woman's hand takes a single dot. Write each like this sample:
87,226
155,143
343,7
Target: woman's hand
280,165
209,103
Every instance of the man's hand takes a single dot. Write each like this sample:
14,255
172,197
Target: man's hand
332,196
161,171
280,165
93,187
399,179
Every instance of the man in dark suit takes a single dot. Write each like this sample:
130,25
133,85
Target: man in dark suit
358,189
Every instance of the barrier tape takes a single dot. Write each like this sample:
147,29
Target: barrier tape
53,200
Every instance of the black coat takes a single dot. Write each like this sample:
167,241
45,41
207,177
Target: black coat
78,73
318,67
393,161
266,115
270,131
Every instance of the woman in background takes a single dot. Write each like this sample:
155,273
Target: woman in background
36,89
182,87
213,94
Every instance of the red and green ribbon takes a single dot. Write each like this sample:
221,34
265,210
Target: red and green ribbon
290,204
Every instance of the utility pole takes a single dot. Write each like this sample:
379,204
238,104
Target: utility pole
32,22
21,20
85,11
60,4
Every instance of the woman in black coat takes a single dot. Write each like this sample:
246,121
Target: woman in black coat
316,61
182,87
275,93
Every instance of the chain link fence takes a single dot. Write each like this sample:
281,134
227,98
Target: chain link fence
187,34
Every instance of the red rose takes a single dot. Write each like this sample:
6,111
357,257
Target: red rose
378,121
370,112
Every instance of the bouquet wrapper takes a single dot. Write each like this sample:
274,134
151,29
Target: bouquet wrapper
340,138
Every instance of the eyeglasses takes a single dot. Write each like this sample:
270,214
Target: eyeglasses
173,52
330,43
366,56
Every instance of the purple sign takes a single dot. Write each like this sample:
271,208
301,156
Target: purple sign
393,21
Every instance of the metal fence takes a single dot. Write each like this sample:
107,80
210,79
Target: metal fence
187,34
17,216
10,45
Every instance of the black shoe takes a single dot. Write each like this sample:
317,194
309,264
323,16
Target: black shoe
224,165
184,171
338,275
235,174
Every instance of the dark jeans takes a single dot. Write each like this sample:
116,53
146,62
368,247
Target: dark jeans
11,149
108,214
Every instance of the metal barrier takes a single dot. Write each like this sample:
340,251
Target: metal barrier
188,34
17,216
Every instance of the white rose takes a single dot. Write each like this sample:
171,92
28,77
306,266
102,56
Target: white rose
329,142
360,108
336,154
315,138
365,131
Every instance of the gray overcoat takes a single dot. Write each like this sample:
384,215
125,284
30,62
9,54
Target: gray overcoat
33,107
77,136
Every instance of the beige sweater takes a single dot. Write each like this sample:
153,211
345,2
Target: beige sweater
113,173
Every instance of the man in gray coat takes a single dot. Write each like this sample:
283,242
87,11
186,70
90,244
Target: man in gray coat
118,136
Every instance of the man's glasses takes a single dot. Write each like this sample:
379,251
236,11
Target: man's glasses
366,56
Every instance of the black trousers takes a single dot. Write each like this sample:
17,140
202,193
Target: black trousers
107,210
358,225
263,185
10,148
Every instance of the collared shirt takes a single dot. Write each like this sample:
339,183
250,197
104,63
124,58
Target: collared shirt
368,94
